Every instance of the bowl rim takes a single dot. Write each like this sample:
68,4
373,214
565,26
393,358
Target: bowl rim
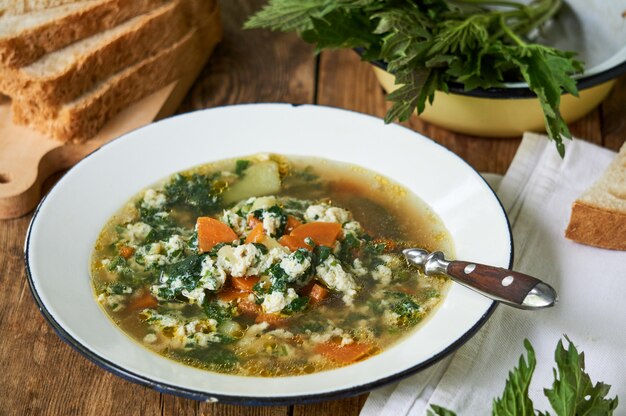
164,387
521,91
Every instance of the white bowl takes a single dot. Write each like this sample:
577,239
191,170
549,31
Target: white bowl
67,222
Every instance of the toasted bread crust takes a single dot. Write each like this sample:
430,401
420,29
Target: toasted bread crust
597,227
81,120
155,32
28,46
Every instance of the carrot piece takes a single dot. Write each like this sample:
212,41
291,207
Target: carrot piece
126,251
248,308
323,233
274,319
293,243
257,235
318,293
253,221
346,354
245,284
292,223
230,293
144,301
212,232
306,289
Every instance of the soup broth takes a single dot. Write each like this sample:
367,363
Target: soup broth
268,265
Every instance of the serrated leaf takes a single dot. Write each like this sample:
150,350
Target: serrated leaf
548,75
287,15
466,36
515,400
573,392
340,29
412,94
439,411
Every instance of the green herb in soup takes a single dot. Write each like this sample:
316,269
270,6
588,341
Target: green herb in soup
268,266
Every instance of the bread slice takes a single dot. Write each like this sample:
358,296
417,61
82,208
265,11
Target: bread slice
599,215
84,117
25,38
64,75
11,7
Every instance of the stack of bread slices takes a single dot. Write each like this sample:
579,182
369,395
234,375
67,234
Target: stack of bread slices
71,65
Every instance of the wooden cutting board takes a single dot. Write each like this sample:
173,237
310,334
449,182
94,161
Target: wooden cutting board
27,158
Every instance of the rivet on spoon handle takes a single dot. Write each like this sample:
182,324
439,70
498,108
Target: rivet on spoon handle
506,286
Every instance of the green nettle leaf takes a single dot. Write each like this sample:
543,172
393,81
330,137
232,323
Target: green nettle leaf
288,15
466,36
340,29
428,44
439,411
573,392
515,400
409,96
548,74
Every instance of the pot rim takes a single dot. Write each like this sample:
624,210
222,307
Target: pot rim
520,92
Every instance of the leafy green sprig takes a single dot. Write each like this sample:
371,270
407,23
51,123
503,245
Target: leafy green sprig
572,393
432,44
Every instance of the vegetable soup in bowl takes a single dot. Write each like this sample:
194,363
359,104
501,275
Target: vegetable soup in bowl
260,262
269,266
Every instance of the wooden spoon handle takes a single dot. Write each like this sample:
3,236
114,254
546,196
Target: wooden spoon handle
506,286
513,288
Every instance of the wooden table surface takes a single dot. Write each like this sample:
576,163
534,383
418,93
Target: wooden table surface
39,374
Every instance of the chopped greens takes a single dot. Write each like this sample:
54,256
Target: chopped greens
183,275
405,306
241,165
193,191
217,312
222,358
278,277
296,305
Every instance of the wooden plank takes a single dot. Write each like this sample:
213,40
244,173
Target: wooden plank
343,407
229,410
251,66
613,116
588,128
346,82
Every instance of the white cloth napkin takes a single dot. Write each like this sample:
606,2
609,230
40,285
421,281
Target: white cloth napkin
537,192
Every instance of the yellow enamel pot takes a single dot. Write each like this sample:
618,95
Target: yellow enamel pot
506,111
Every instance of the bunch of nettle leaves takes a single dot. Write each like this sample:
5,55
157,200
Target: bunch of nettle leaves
431,44
572,393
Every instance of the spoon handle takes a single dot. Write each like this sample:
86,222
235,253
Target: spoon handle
513,288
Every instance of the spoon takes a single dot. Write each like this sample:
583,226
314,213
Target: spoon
506,286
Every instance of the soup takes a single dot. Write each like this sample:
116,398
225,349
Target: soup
268,266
